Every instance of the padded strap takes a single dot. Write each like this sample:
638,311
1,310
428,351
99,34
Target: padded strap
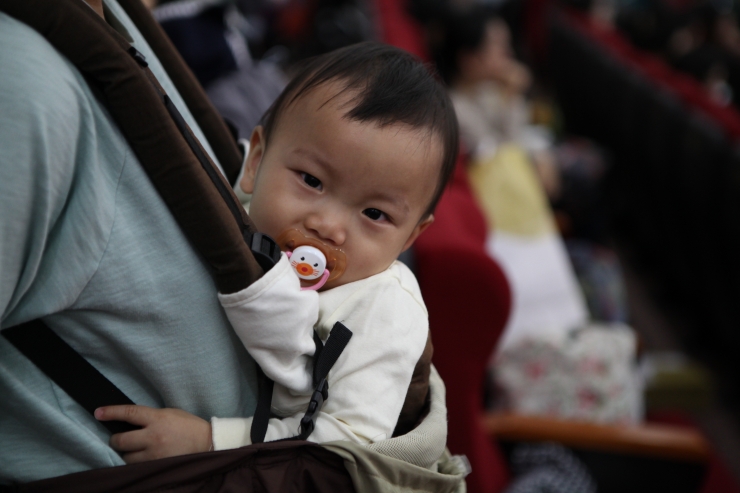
130,93
210,122
70,371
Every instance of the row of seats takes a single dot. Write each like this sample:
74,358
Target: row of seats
673,188
468,307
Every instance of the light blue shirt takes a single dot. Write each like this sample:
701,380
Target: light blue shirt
87,244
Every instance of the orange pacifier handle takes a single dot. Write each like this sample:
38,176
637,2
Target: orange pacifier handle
313,267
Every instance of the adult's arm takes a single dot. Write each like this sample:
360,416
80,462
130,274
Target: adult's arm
54,226
87,243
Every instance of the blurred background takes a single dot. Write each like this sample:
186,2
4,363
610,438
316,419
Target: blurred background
588,330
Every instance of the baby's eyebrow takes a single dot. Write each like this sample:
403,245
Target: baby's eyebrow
396,201
313,156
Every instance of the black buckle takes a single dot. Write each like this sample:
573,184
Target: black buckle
138,56
266,252
308,421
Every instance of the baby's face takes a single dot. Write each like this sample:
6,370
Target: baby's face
349,184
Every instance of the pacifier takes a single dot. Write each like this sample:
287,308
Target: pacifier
312,259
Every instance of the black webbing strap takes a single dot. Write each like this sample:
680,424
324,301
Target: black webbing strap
70,371
338,339
319,348
324,358
262,411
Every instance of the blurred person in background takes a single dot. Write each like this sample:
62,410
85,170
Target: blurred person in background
544,361
488,87
213,37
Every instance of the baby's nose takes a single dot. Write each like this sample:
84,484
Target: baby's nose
327,227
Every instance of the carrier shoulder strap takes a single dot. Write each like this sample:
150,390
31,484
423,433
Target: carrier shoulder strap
210,122
199,197
68,369
324,358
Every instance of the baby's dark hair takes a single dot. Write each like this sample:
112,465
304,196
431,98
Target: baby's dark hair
392,87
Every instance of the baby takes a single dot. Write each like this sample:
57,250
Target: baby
353,155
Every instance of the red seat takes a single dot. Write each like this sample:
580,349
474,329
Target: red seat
468,299
465,291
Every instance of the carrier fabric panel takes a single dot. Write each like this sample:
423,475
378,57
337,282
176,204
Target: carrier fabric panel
287,467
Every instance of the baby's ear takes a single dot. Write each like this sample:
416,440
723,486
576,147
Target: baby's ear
419,229
254,158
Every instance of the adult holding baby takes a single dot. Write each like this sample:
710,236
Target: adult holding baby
89,246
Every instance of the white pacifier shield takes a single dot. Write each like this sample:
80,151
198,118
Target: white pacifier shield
308,262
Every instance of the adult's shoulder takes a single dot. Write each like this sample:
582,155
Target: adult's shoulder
60,160
52,125
38,84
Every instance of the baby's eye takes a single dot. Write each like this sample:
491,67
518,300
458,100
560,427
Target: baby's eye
311,181
374,214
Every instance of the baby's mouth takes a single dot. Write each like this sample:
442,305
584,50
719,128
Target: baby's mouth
336,260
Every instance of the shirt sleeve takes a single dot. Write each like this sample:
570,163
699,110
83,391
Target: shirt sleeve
230,433
275,321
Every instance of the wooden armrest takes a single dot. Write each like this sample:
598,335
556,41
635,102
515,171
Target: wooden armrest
662,441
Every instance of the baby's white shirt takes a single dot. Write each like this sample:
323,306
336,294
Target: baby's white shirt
275,321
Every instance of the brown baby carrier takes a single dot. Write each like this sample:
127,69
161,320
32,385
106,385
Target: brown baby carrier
202,201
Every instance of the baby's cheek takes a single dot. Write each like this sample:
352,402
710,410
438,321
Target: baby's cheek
267,223
359,268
